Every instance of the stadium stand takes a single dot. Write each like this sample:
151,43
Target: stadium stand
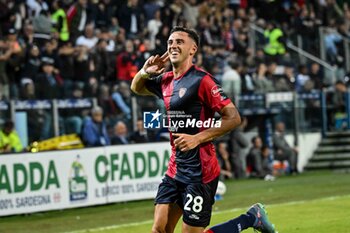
65,50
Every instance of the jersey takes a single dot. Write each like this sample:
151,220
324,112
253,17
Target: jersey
196,96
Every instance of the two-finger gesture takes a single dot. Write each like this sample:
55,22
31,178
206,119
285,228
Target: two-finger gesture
155,65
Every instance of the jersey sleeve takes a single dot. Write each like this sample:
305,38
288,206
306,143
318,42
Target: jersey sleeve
211,94
155,86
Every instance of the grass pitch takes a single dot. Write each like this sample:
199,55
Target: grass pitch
308,203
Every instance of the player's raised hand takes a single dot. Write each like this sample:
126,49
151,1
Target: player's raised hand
155,65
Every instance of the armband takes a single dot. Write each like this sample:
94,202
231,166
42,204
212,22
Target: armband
144,74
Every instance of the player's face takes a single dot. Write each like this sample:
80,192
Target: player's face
180,47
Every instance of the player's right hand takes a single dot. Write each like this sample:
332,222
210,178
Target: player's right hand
155,65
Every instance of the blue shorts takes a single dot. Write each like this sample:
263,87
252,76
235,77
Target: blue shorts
195,200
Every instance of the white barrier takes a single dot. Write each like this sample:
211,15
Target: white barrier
68,179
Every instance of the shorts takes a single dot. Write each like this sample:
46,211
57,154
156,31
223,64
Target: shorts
195,200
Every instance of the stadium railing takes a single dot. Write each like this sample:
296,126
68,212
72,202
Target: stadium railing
18,111
302,112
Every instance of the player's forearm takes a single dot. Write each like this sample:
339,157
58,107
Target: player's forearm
138,84
230,120
213,133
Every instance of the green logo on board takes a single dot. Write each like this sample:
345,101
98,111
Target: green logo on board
78,186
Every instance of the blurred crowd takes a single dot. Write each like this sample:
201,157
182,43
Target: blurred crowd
93,48
241,155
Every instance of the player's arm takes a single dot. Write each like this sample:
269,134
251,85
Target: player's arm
138,84
154,65
211,95
230,119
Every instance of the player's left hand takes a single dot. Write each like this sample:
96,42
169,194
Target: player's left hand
185,142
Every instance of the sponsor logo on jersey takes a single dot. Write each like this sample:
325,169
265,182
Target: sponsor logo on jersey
216,91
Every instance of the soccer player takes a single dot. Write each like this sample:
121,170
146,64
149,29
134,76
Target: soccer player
190,183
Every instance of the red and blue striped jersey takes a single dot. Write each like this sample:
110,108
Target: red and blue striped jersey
193,97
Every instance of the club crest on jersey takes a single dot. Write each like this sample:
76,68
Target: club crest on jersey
182,91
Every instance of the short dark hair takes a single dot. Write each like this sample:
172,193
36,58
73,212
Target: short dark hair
191,33
254,139
9,125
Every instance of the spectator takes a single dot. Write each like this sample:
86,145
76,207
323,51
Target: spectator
78,17
33,63
237,142
6,10
306,24
258,160
36,6
286,82
231,80
14,62
42,28
103,69
66,54
339,104
115,29
5,54
121,97
267,164
259,57
72,117
191,12
262,84
153,28
109,38
150,8
50,50
303,82
104,13
176,12
331,39
39,121
161,39
82,68
223,155
28,34
9,139
282,150
248,86
126,62
331,12
129,17
145,51
106,102
205,32
275,47
48,84
316,75
272,71
227,35
241,44
120,134
88,39
254,157
94,131
60,21
27,90
234,4
140,135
